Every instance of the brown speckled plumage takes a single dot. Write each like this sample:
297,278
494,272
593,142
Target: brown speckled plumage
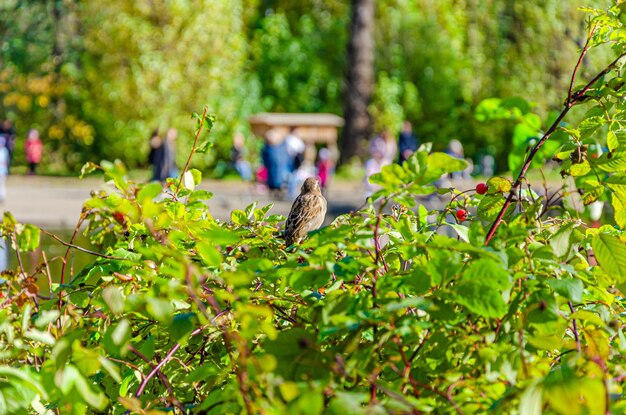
307,213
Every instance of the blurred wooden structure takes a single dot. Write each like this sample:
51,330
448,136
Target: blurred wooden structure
311,128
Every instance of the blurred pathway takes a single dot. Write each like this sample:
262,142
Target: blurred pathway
56,203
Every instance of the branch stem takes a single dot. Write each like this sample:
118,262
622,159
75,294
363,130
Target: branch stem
193,149
573,99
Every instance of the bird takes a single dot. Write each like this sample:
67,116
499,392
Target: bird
307,213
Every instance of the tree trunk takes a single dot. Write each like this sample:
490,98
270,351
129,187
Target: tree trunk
359,80
57,101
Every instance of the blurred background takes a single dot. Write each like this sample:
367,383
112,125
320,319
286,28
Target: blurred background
95,78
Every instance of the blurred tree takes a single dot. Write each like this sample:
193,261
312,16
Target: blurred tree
359,80
97,77
149,64
297,56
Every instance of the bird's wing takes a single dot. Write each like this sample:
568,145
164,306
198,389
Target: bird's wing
305,213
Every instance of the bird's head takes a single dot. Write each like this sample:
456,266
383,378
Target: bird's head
311,184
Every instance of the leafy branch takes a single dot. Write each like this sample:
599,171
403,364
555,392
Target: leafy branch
572,99
205,120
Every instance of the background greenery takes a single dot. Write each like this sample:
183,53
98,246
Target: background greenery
97,77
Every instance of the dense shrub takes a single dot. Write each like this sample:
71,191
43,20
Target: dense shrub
377,313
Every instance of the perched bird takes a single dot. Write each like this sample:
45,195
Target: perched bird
307,212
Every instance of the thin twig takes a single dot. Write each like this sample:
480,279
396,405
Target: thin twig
69,247
163,378
571,309
158,367
80,248
17,253
48,274
580,61
193,149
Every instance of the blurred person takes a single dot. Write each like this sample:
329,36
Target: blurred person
156,157
295,149
8,132
455,149
276,161
487,165
325,167
170,167
4,169
385,144
33,148
381,154
407,142
237,157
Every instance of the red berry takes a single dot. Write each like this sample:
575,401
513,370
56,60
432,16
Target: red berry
119,217
461,214
481,188
229,249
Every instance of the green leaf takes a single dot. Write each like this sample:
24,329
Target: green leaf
489,272
593,190
188,181
111,368
116,338
149,192
46,317
348,403
462,231
71,379
239,217
610,253
570,288
612,162
182,325
220,236
498,185
531,402
114,299
88,168
480,299
310,402
18,388
28,237
209,254
490,206
196,175
441,163
618,201
590,124
160,309
579,169
561,240
617,185
40,336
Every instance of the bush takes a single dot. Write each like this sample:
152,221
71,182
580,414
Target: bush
376,313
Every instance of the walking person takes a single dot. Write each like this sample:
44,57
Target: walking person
295,150
238,157
324,168
33,147
170,168
407,142
156,157
4,171
8,132
276,161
